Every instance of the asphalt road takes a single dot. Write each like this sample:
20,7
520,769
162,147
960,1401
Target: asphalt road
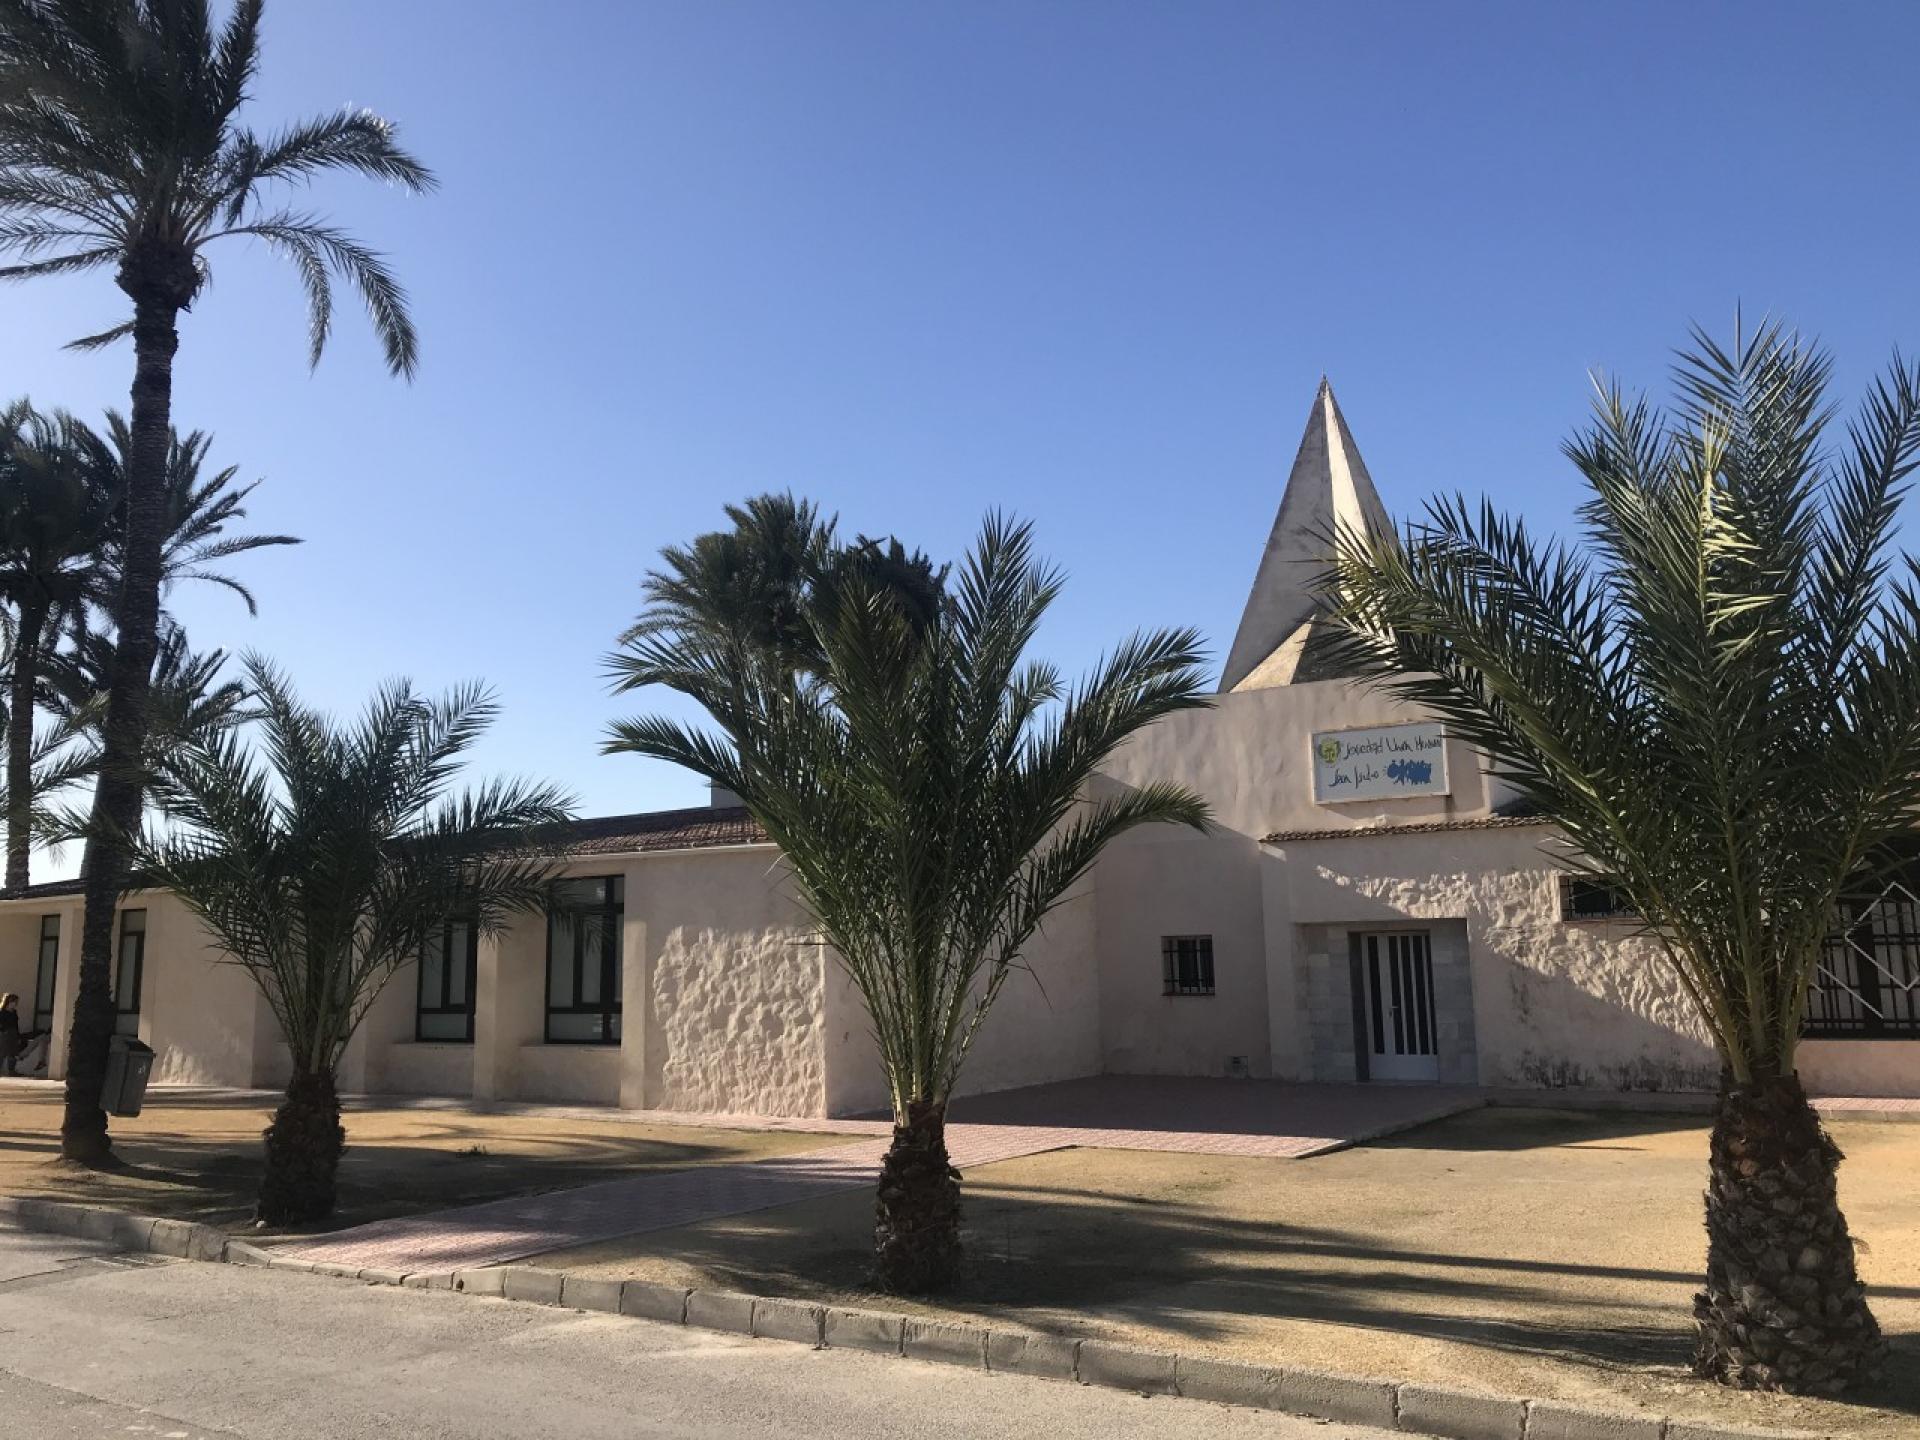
95,1344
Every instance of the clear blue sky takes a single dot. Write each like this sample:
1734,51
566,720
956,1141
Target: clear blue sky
1082,261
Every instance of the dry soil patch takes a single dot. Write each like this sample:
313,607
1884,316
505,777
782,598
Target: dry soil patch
1534,1252
199,1159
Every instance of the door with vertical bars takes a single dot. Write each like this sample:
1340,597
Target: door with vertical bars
1402,1042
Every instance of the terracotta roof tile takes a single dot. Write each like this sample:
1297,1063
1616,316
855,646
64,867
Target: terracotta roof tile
704,827
1418,827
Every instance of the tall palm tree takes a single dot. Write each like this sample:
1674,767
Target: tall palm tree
927,785
320,862
1716,696
121,149
56,760
56,514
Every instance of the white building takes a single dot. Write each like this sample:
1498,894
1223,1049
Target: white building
1362,910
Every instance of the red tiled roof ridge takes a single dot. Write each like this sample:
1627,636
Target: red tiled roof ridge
699,827
1413,827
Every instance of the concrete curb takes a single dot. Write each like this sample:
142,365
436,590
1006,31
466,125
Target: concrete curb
1410,1407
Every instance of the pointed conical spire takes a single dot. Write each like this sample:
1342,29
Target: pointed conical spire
1329,487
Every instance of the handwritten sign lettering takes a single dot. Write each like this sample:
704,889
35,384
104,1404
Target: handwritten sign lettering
1381,762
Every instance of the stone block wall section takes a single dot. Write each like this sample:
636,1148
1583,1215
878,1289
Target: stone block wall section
1412,1408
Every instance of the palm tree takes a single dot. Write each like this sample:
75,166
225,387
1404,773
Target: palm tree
56,512
927,785
322,860
743,587
62,548
56,760
190,702
1716,697
199,508
121,149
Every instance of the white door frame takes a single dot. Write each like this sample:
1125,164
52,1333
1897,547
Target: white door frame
1399,1036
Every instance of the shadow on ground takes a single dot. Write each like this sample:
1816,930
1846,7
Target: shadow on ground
202,1162
1526,1252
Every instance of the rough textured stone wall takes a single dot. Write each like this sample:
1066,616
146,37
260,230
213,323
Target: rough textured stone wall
736,1021
735,987
1554,1003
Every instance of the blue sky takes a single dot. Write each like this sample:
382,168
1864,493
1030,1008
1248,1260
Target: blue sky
1081,261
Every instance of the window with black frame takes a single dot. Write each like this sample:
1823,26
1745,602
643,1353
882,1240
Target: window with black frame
129,966
1187,964
583,960
449,965
1867,985
47,975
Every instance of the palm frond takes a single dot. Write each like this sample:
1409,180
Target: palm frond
1715,698
894,741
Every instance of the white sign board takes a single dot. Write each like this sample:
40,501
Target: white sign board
1380,762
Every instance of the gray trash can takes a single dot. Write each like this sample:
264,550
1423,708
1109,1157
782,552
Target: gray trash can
129,1063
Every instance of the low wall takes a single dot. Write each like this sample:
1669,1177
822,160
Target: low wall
414,1067
1860,1067
569,1074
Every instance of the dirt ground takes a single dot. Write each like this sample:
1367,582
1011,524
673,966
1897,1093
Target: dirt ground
1532,1252
199,1158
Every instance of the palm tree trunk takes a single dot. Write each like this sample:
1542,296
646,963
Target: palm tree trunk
1783,1308
122,781
304,1144
26,667
916,1230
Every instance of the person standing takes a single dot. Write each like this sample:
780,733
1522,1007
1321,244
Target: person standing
10,1042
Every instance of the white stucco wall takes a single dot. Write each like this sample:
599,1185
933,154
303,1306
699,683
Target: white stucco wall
1044,1025
20,955
1161,881
1860,1067
197,1011
1248,756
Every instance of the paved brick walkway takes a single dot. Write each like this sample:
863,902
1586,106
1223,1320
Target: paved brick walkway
1250,1118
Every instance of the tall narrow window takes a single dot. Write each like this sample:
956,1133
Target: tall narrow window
448,964
130,962
48,974
583,961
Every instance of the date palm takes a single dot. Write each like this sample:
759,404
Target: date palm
201,506
63,517
190,702
1716,697
928,787
56,517
322,859
121,149
57,758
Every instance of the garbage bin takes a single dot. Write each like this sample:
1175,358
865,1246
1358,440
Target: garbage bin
129,1063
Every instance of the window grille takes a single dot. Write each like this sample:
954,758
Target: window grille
1187,963
1867,986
